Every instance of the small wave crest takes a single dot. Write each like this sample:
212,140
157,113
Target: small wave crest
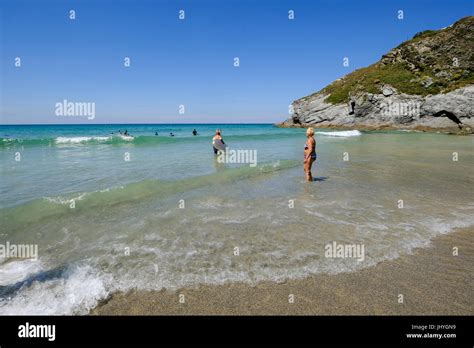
75,291
46,207
16,271
78,140
147,140
349,133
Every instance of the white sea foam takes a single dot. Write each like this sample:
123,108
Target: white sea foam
78,140
349,133
126,137
204,262
80,196
65,201
14,271
77,293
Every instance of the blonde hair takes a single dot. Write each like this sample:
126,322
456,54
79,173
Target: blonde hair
310,131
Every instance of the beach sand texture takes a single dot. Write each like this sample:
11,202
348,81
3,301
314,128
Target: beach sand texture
432,281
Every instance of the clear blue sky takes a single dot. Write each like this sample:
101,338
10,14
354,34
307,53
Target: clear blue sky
190,62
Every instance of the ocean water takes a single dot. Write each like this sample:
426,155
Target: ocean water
112,214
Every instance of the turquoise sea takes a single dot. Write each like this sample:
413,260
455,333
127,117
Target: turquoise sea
110,213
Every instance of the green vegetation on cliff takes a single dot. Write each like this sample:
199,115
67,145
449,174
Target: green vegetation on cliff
434,61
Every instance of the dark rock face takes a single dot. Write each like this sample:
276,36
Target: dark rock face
451,112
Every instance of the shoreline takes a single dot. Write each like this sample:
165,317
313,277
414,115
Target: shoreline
432,281
381,127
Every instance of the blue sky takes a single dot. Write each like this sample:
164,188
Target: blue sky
190,62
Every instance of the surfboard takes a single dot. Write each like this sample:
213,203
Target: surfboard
219,145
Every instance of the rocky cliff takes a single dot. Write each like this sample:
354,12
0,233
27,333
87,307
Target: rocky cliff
426,83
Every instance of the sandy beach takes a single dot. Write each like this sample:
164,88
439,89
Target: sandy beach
156,222
432,281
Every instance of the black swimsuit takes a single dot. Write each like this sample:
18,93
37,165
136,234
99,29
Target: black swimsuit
313,154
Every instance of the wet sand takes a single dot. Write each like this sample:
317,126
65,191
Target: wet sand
432,281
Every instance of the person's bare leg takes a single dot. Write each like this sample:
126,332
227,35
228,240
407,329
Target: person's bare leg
306,170
309,174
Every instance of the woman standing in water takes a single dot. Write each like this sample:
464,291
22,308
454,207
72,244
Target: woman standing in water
309,153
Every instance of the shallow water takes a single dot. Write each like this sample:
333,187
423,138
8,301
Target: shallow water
173,215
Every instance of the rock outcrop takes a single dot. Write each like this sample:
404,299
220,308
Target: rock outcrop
426,83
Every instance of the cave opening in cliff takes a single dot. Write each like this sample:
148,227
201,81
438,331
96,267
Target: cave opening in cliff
449,115
351,108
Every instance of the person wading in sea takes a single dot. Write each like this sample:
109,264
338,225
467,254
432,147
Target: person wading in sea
309,153
217,138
